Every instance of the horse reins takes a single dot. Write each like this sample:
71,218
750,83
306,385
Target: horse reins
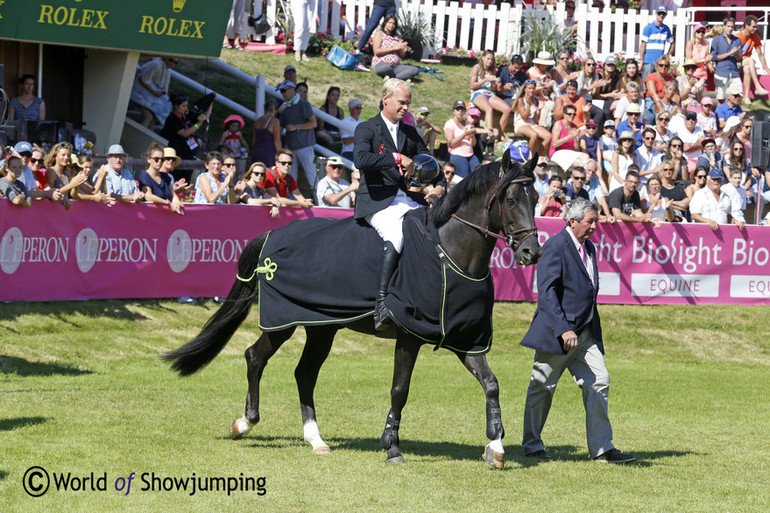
508,238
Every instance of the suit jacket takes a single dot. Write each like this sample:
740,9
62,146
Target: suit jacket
566,296
373,155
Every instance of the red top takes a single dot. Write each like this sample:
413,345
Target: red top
659,84
283,185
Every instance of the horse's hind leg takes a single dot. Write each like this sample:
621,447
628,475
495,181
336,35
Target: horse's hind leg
407,349
317,347
477,364
257,356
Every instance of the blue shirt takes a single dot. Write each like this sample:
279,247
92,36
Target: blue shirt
571,193
625,126
724,111
541,186
727,68
506,78
656,38
122,184
163,190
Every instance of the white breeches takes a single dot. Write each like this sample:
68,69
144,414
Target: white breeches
388,222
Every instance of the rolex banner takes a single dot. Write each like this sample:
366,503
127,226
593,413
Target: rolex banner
184,27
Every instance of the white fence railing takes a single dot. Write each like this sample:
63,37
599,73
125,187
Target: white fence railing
499,28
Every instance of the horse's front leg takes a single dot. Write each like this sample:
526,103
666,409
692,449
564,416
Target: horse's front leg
407,349
257,357
493,452
317,346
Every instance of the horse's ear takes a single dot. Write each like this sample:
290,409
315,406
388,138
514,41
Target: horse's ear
531,163
506,160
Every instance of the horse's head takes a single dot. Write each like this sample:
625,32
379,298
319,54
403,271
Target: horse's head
514,201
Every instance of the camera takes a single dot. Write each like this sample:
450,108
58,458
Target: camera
558,193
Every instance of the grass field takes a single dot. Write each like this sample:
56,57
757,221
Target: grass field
84,391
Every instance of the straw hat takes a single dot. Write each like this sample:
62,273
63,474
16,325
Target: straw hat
171,153
628,134
544,58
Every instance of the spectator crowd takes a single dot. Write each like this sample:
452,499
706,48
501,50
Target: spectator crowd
651,142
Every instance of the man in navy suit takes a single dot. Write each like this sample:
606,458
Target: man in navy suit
383,150
566,333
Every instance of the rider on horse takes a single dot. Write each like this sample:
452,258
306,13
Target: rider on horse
384,150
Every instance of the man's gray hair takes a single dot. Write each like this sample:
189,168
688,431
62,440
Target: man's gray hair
391,84
577,209
633,85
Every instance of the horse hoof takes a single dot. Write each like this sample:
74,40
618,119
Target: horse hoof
240,428
323,449
235,434
396,459
493,458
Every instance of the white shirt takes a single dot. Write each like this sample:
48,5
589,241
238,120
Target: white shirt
392,128
704,203
646,160
737,199
622,107
688,137
328,186
707,123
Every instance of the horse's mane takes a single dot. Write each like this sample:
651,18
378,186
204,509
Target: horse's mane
479,181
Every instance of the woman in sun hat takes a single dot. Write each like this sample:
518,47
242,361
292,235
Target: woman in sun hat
544,85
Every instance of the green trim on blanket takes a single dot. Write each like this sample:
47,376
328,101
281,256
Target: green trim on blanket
458,270
447,263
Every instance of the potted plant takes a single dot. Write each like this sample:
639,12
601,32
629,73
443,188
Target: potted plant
546,33
416,30
458,56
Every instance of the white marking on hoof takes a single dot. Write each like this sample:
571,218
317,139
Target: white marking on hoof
494,459
497,446
240,428
313,437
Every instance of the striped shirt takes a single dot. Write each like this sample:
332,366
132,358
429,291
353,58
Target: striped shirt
656,39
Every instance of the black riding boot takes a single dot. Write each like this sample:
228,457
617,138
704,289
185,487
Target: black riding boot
389,263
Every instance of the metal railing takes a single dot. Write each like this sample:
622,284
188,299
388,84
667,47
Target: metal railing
261,88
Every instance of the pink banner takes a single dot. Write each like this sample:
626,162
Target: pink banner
673,264
144,251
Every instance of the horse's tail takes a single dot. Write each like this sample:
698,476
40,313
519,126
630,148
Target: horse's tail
217,332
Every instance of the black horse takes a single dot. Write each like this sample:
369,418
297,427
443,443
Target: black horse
495,197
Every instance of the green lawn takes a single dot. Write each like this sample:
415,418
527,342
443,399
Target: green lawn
84,391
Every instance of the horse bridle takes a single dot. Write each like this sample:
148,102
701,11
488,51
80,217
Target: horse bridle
509,238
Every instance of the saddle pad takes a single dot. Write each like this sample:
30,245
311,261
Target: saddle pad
325,271
318,271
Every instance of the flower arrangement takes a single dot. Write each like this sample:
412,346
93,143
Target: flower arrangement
456,51
320,43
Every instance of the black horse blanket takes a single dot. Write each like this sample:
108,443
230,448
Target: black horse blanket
325,271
